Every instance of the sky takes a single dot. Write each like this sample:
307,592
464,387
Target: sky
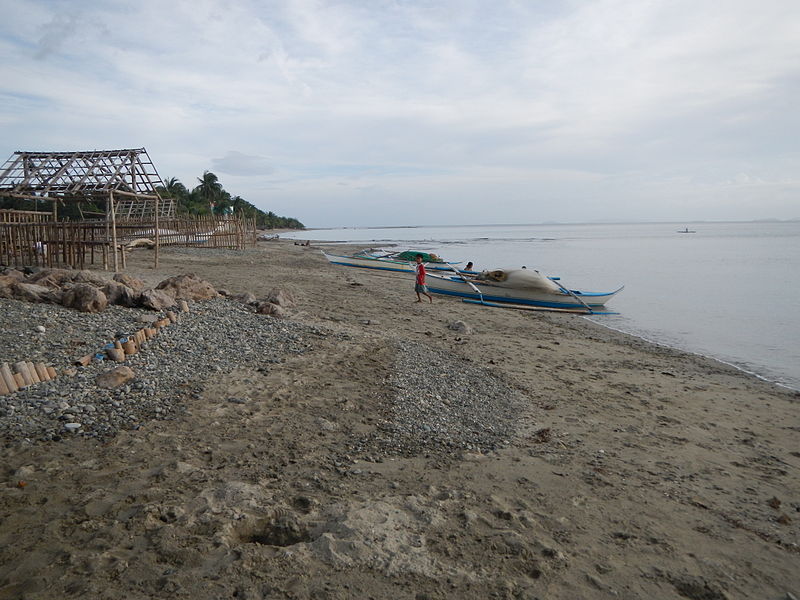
423,112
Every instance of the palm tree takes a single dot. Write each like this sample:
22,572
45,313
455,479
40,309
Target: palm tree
210,189
175,189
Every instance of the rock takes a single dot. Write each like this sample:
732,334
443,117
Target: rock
461,327
85,298
40,329
132,282
6,286
156,299
13,274
121,294
54,278
89,277
115,377
31,292
245,298
281,297
273,310
149,319
188,287
72,426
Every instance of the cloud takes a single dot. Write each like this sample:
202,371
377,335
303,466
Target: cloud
603,108
237,163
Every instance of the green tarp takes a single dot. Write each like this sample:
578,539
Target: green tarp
411,255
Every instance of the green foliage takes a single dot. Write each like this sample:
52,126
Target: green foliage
209,197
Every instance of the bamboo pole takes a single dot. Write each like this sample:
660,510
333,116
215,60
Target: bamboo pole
155,260
113,229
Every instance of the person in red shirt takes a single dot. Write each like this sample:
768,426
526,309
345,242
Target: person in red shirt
420,286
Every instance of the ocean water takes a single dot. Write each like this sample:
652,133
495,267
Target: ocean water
729,290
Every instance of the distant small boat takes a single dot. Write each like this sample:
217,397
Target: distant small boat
687,230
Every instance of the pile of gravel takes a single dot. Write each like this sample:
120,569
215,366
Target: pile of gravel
215,336
443,403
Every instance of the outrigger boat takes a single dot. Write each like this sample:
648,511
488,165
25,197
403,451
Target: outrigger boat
395,261
519,287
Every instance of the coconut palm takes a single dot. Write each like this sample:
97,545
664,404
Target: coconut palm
210,189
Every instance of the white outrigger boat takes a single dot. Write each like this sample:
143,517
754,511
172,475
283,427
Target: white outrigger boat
389,262
517,288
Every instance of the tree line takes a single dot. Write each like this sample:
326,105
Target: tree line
209,197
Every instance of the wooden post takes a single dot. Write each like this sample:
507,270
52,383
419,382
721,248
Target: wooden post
113,229
155,265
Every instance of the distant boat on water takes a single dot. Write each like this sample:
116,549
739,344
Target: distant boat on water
686,230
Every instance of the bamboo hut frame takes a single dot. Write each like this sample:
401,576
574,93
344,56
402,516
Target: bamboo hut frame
126,179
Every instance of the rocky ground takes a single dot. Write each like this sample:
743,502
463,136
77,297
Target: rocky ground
363,448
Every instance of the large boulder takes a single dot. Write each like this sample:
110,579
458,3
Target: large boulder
7,286
115,377
188,287
134,283
85,298
54,278
119,293
245,298
273,310
280,296
30,292
90,277
13,273
156,299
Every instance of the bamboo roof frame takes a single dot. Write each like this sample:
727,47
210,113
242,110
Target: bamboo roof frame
128,174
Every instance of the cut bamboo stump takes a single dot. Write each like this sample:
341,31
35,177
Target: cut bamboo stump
8,378
21,369
32,372
41,371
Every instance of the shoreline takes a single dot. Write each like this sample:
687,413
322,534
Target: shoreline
363,447
768,372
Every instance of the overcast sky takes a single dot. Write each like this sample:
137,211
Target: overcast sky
381,112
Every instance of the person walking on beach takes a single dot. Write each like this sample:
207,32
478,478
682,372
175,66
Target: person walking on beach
420,286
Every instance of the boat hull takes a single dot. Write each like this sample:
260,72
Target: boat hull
453,286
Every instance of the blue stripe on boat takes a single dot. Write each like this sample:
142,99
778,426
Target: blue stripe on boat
512,300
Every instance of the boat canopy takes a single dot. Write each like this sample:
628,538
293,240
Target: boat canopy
523,279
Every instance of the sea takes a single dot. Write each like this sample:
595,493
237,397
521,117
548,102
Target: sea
730,290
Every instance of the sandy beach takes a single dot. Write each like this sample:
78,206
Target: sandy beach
379,453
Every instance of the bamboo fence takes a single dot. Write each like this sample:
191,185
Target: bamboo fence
81,243
24,216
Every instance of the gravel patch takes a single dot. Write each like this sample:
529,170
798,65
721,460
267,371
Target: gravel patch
441,402
215,336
